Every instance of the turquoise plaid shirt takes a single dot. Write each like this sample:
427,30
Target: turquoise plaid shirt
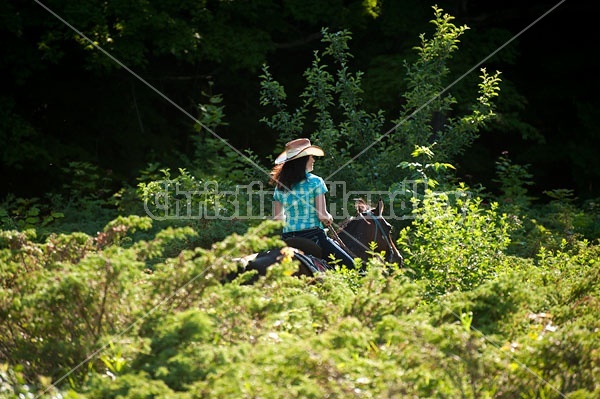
299,204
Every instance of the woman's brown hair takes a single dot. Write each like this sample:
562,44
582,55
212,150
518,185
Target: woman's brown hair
284,176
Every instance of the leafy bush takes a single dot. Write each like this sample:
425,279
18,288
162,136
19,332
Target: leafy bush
100,324
454,243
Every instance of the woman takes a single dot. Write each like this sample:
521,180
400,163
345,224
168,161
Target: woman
299,199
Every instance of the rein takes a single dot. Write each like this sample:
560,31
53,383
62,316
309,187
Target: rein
379,228
342,244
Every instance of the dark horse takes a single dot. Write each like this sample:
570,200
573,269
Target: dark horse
354,235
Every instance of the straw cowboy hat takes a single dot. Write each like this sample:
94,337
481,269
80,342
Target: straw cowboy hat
298,148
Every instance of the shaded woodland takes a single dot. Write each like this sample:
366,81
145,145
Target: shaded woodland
64,101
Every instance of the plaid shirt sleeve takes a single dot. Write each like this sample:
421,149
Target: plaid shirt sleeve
299,203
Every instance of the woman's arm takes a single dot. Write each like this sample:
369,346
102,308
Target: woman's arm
324,216
278,213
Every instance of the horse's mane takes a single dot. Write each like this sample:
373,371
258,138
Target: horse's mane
361,207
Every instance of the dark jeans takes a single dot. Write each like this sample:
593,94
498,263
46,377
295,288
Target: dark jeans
328,246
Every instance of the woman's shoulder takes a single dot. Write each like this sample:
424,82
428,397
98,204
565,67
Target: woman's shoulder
314,179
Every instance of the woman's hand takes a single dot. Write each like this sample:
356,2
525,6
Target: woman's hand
327,221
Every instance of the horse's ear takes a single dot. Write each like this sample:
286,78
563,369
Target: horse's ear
380,207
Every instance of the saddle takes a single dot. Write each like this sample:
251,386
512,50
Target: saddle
304,250
309,265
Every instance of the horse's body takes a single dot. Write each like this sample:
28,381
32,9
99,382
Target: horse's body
354,235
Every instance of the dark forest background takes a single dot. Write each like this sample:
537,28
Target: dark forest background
62,100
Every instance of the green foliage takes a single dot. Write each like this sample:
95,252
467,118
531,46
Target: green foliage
422,175
181,50
513,180
560,328
545,224
213,194
143,307
214,158
59,297
333,110
186,329
491,307
87,182
213,208
454,242
427,113
186,33
332,106
84,203
26,213
564,217
13,384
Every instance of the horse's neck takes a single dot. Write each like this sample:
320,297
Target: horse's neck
357,238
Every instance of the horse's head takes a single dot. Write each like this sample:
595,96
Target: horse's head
368,226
